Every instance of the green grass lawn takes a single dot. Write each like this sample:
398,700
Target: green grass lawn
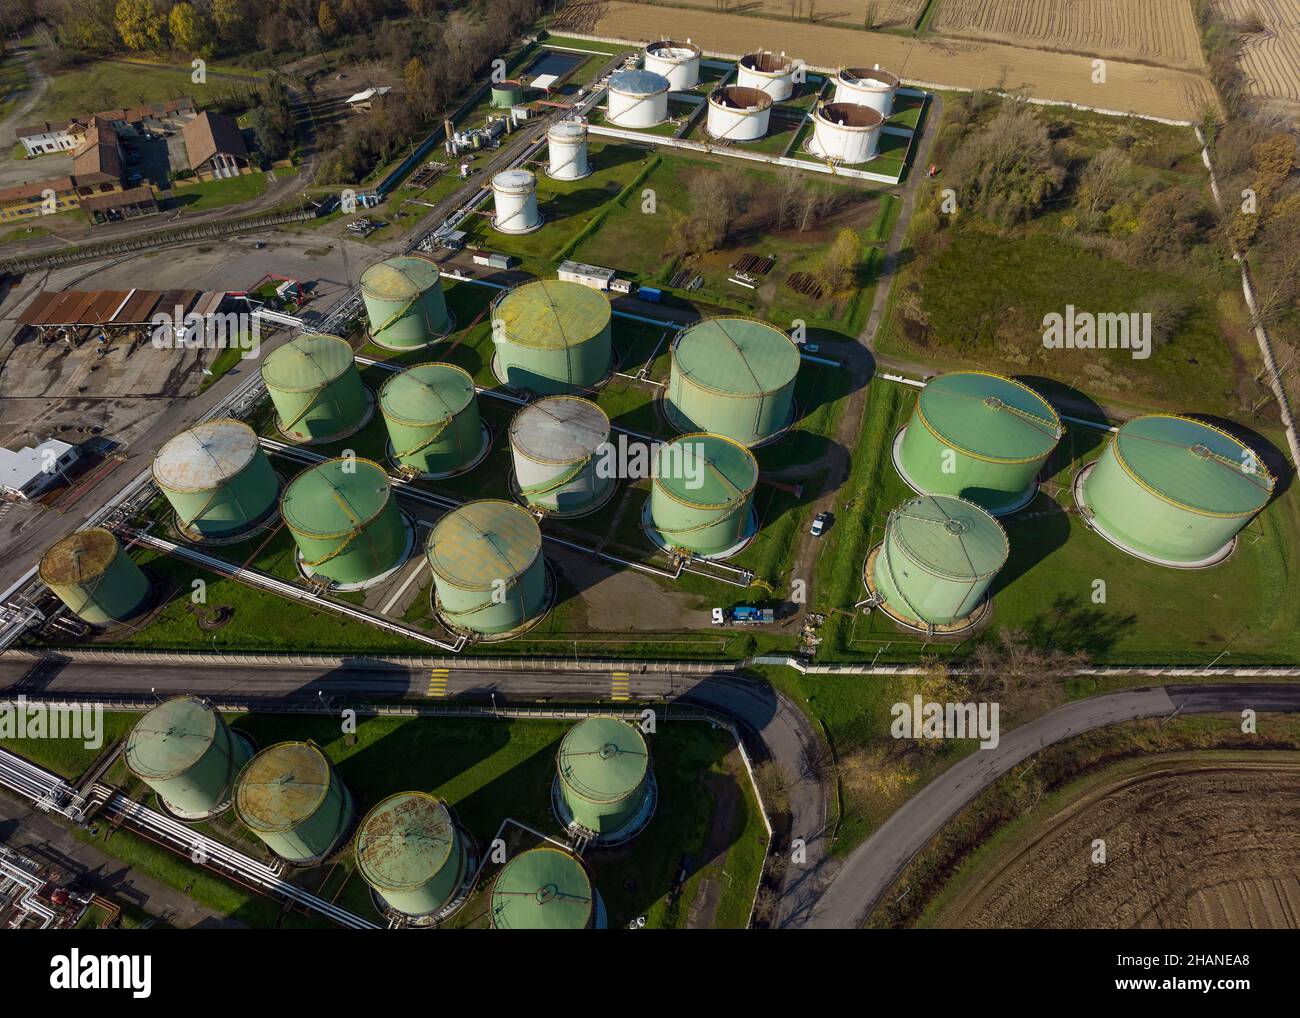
107,85
214,194
14,81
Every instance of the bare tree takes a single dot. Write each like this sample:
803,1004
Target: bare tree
1102,183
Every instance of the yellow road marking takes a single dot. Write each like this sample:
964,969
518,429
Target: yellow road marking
438,682
620,686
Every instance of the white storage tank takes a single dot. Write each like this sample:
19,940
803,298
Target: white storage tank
737,113
867,86
845,132
566,145
771,72
679,62
638,99
515,194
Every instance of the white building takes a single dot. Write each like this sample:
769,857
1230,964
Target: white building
596,276
30,470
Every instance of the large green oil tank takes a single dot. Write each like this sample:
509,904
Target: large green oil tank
489,574
404,303
507,93
344,520
291,797
552,337
732,377
939,556
217,478
314,384
555,444
544,889
980,436
91,573
184,751
604,772
701,496
1175,490
410,851
432,415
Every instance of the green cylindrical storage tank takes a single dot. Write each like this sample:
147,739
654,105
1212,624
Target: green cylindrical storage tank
603,767
555,445
344,520
701,496
938,558
410,851
404,303
489,575
552,337
732,377
185,752
979,436
314,384
544,889
507,93
91,573
1174,490
433,422
291,797
217,478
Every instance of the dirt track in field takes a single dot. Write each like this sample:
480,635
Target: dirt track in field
1193,840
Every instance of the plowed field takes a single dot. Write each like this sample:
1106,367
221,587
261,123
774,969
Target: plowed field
1270,59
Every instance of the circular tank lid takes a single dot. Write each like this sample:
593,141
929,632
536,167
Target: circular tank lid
603,759
559,429
706,471
740,98
405,841
678,52
870,79
736,356
850,116
400,278
333,499
950,537
638,82
1193,465
514,180
426,393
171,737
205,456
552,314
282,786
78,557
767,63
307,362
568,130
483,541
989,417
542,889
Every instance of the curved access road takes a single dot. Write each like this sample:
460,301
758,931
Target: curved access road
847,899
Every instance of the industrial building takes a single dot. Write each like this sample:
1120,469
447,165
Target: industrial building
934,568
25,473
546,888
217,479
867,86
514,195
638,99
554,446
293,799
410,851
316,389
679,62
92,574
489,575
1173,490
980,436
114,313
552,337
186,753
434,429
701,497
732,377
566,150
738,113
346,523
405,305
771,72
845,132
604,786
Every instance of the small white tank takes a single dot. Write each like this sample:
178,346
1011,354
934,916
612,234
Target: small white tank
737,113
867,86
515,194
845,132
679,62
771,72
638,99
566,147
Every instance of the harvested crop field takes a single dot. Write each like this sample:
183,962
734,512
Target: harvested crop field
1193,841
1270,59
888,13
959,63
1159,31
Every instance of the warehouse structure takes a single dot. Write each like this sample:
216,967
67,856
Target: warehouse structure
546,888
552,337
604,789
186,753
514,195
316,389
405,305
217,479
555,445
701,497
738,113
980,436
867,86
933,570
845,132
678,62
1173,490
117,312
92,574
293,799
415,858
732,377
638,99
566,150
771,72
434,428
